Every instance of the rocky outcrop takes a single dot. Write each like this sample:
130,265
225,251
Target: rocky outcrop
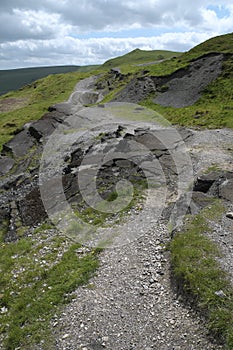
216,183
153,144
145,144
180,89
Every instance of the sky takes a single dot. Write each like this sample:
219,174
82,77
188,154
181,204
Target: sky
82,32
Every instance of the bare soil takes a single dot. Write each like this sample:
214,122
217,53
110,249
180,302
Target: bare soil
10,104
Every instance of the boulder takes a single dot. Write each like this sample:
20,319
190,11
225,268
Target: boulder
199,201
19,145
46,125
204,182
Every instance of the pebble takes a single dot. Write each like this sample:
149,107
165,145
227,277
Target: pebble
65,336
229,215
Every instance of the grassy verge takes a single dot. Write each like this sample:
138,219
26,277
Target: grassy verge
199,276
37,277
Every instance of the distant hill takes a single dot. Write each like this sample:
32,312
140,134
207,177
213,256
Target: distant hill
14,79
138,56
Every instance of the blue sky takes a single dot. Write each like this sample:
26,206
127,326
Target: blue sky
64,32
221,10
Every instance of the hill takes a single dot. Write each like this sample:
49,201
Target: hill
220,44
46,254
194,89
138,56
14,79
212,106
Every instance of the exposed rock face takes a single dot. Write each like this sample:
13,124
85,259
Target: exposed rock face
20,145
19,183
46,125
24,186
180,89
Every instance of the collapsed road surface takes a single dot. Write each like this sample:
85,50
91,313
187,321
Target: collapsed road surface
51,165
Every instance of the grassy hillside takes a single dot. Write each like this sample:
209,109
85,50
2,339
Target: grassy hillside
33,304
14,79
222,43
32,101
140,56
214,109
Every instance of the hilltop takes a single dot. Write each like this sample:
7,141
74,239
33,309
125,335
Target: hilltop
138,56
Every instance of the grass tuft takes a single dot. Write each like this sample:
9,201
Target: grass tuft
200,278
35,280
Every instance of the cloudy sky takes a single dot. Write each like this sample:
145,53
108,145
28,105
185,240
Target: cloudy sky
82,32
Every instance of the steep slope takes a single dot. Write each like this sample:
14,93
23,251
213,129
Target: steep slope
193,89
218,44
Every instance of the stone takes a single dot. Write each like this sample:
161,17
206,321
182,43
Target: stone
220,294
46,125
31,208
63,107
226,190
65,336
204,182
230,215
19,145
199,201
6,164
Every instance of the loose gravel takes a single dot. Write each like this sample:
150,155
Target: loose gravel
130,304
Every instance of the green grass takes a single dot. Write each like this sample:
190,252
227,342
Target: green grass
221,44
14,79
199,276
40,95
99,217
213,167
35,281
213,110
138,56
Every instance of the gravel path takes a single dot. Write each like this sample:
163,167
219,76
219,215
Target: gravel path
129,304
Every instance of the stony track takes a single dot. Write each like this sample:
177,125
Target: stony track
130,303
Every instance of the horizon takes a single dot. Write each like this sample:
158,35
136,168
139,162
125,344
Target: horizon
74,65
66,34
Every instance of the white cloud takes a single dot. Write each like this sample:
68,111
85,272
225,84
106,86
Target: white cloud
90,51
49,31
